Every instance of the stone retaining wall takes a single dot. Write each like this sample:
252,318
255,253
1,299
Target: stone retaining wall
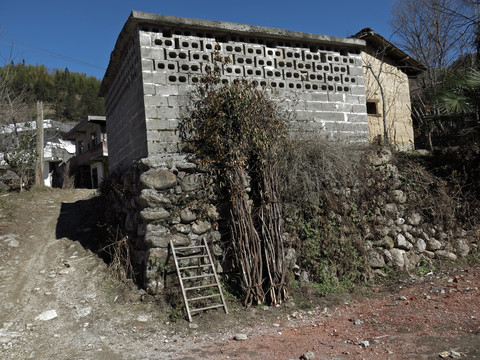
164,198
400,237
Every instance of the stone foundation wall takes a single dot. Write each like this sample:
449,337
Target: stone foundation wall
167,197
400,237
164,198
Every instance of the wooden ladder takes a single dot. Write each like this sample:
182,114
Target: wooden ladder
197,288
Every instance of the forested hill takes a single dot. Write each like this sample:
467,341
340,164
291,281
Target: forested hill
67,96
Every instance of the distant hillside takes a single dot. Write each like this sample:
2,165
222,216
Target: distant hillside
67,96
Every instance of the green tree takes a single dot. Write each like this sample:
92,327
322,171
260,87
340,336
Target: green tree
67,96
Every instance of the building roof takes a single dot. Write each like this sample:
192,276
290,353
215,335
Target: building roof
404,61
217,28
85,125
48,124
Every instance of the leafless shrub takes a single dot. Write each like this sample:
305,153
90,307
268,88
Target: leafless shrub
119,252
322,192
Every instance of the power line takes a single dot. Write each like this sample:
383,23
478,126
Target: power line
52,54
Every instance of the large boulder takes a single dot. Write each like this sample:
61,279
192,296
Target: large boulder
158,179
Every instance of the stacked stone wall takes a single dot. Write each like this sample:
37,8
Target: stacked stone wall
401,236
163,199
167,198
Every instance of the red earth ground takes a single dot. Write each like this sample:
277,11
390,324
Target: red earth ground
427,320
49,265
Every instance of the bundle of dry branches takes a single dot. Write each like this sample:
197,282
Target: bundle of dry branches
238,128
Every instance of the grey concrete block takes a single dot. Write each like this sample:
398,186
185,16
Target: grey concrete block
253,72
159,78
199,56
148,77
148,65
357,90
168,112
317,106
318,96
155,101
190,67
145,39
156,53
360,109
329,116
358,118
303,115
356,71
166,90
309,126
148,89
335,97
360,80
346,127
177,100
354,99
261,61
150,112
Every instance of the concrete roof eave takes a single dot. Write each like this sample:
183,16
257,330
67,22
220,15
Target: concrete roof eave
101,120
406,63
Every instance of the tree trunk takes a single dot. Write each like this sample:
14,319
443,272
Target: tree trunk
40,165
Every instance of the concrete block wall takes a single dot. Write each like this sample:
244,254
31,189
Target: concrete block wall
325,80
159,59
125,112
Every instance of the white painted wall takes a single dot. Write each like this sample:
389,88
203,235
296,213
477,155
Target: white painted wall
100,171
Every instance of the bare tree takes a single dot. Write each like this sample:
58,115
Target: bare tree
439,34
432,31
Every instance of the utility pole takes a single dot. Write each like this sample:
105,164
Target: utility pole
39,168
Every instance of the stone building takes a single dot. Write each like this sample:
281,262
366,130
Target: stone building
160,195
387,70
158,59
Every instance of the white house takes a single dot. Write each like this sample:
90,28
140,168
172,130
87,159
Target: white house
57,151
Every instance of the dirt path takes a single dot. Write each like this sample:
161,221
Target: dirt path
56,302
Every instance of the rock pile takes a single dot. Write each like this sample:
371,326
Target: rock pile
400,236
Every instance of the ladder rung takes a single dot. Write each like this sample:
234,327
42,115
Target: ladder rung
204,297
200,287
192,257
208,262
189,247
197,276
195,266
206,308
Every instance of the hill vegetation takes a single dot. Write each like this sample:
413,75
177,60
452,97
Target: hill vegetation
67,96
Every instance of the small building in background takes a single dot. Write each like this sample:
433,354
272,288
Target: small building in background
388,71
57,150
89,166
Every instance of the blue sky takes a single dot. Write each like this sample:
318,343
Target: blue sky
81,34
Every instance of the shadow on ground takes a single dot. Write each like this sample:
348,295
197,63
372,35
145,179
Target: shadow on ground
83,221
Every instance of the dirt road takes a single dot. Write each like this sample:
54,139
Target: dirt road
57,302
